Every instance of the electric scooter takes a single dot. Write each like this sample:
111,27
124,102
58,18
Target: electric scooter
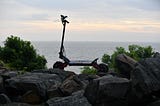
102,67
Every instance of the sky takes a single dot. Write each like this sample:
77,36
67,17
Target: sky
90,20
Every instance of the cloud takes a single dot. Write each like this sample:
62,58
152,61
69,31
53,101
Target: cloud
55,4
89,10
37,17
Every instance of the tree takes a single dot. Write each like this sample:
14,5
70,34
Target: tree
21,55
135,51
88,70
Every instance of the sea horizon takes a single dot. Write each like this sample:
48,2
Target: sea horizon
82,50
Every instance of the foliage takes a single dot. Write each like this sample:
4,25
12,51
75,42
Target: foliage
21,55
138,52
88,70
1,63
135,51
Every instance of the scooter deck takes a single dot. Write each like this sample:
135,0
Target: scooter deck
80,63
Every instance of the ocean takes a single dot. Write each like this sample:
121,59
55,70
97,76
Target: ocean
82,50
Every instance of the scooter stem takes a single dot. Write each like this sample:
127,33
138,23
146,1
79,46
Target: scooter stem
64,21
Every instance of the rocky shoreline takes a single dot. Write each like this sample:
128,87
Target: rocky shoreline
138,83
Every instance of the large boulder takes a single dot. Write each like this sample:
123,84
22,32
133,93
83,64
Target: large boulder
4,99
61,73
20,104
76,99
125,64
86,78
146,78
54,92
9,74
156,55
1,85
155,103
4,75
2,70
31,85
107,90
71,84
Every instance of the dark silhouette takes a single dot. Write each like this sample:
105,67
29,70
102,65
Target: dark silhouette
61,65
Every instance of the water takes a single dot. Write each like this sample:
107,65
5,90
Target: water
82,50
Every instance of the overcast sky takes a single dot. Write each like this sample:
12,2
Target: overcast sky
90,20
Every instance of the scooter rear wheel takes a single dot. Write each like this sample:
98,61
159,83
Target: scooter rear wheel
59,64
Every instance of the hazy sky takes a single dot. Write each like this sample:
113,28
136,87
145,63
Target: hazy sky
90,20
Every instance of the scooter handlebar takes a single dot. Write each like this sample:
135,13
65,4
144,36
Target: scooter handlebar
63,19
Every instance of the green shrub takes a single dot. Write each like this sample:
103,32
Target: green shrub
135,51
21,55
138,52
88,70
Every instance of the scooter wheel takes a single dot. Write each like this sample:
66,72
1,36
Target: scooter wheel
59,65
103,67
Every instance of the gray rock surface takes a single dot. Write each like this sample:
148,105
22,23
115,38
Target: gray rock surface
146,77
1,85
61,73
77,99
20,104
55,87
4,99
156,103
71,84
125,65
38,83
106,89
86,78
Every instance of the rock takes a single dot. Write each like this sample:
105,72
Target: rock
156,55
31,97
20,104
61,73
54,92
77,99
114,73
10,74
42,71
103,90
146,78
125,64
86,78
156,103
1,85
99,73
71,84
3,70
38,83
7,75
4,99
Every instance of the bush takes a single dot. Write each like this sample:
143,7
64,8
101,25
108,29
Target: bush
21,55
135,51
88,70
